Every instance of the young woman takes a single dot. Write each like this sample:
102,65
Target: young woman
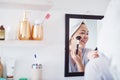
78,58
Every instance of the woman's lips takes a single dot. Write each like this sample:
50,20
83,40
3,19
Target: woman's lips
84,41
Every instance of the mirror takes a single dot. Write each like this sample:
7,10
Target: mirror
81,33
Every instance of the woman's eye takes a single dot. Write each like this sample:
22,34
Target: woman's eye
82,33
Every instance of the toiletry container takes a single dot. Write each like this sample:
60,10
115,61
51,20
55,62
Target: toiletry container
1,69
24,29
23,79
10,68
37,31
36,73
2,32
2,79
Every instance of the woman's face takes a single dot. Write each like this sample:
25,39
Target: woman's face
83,32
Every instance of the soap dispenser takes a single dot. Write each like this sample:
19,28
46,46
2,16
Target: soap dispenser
24,29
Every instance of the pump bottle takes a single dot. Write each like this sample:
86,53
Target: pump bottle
24,29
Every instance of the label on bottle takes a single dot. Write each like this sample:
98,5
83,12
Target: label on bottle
36,73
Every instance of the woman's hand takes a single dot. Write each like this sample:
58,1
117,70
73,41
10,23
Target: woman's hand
92,55
77,58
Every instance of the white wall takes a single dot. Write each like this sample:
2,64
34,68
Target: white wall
51,51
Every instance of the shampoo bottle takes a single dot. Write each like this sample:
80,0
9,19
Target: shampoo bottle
24,29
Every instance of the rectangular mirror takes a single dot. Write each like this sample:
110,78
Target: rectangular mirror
81,33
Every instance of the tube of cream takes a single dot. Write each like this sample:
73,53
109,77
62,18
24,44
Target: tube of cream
10,66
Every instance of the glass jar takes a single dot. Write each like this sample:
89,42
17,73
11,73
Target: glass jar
37,31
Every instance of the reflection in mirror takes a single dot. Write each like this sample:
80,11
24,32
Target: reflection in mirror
81,33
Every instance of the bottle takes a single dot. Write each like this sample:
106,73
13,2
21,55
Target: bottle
1,69
10,68
36,72
24,29
37,31
2,32
23,79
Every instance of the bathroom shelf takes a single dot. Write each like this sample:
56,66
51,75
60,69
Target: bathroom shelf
21,43
43,5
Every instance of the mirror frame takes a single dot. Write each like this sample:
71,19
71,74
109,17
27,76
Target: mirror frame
67,22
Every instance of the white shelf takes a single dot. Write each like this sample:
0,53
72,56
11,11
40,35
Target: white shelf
43,5
21,43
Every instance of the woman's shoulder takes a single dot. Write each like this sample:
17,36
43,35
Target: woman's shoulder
88,49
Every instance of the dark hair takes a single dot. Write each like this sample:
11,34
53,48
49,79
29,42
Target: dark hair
82,22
